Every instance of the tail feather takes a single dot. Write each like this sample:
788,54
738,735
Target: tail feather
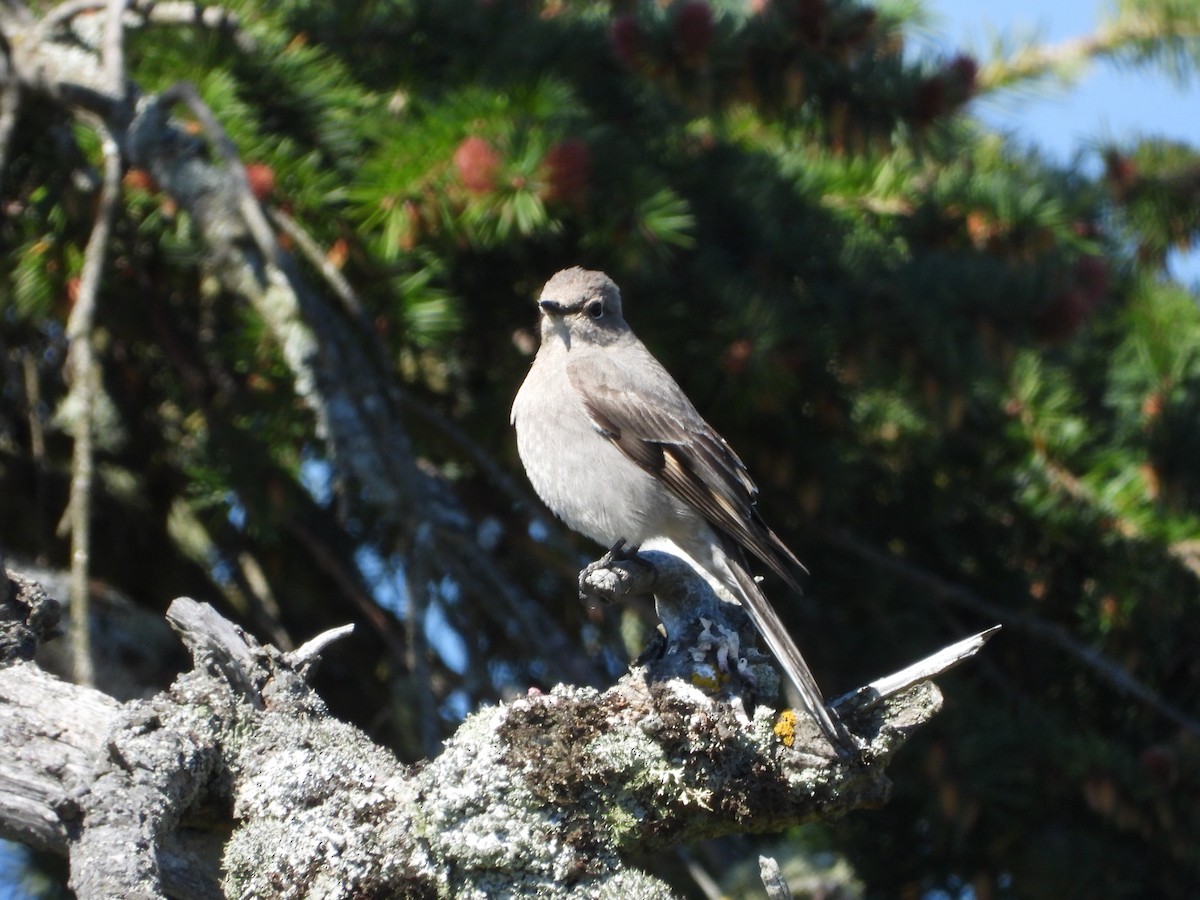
773,631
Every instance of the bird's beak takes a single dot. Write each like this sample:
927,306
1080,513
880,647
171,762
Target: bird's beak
550,307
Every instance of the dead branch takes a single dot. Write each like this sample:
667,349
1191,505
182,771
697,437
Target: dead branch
237,782
773,880
135,14
85,383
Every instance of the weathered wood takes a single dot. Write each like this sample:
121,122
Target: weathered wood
237,782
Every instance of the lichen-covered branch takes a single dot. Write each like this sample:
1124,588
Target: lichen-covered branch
236,781
85,384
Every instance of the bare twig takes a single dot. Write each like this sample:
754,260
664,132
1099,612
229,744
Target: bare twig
310,650
10,105
137,13
37,435
33,400
64,13
313,253
79,509
79,325
922,670
706,884
772,879
84,384
112,53
214,18
218,137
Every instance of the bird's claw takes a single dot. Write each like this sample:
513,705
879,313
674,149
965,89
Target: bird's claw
621,551
617,574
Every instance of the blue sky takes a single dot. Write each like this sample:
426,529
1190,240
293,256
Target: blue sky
1108,103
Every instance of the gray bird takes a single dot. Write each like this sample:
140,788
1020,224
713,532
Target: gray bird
615,449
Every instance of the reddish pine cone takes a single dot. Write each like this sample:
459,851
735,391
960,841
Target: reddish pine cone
139,180
261,179
477,163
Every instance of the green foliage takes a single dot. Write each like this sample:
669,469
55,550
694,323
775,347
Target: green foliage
930,347
1164,34
1157,184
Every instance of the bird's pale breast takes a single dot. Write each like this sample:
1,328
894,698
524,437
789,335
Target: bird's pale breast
579,474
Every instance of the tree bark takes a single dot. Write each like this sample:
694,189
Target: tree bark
236,782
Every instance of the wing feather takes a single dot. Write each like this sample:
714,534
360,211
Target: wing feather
660,430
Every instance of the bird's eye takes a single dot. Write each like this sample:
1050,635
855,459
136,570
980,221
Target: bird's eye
595,309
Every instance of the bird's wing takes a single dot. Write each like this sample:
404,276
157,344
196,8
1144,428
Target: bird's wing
640,408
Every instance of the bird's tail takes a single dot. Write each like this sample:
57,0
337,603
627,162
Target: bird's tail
772,629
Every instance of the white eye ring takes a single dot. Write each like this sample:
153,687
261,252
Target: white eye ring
595,309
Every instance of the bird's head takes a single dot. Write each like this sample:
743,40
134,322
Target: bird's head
581,307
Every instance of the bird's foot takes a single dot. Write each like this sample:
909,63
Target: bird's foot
620,551
850,748
618,574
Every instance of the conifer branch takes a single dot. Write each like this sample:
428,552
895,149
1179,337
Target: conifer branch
1132,32
934,587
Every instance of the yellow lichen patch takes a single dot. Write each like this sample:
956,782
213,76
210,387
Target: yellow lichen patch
785,727
710,684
